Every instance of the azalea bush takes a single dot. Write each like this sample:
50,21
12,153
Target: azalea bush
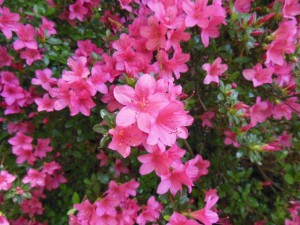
149,112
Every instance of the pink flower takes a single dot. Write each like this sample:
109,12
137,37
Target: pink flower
242,6
201,165
12,93
141,103
47,27
31,55
179,219
77,10
3,220
175,179
156,160
103,158
197,13
214,70
42,147
120,168
125,5
32,206
284,42
26,39
260,111
123,138
211,29
98,79
285,139
291,8
5,58
258,75
86,212
35,178
78,70
166,15
6,180
45,103
231,139
107,206
206,215
206,118
109,98
150,213
81,102
169,124
154,33
175,36
8,22
43,77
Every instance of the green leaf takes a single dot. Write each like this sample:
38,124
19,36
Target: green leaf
104,141
54,41
98,128
289,178
71,212
75,198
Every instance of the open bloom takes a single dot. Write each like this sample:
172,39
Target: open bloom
258,75
141,103
125,137
206,215
214,71
6,180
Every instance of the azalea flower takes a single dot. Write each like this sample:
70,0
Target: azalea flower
214,71
6,180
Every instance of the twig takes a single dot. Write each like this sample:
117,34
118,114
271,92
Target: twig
187,145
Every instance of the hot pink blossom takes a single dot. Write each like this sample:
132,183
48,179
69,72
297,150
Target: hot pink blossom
201,165
166,15
35,178
107,206
123,138
8,22
150,213
77,10
110,100
291,8
231,139
120,168
258,75
214,71
42,147
78,70
154,33
47,28
260,111
43,77
206,118
169,124
86,212
32,206
206,215
31,55
175,179
242,6
6,180
45,103
81,102
141,103
156,160
103,158
12,93
3,220
179,219
5,58
26,39
175,36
